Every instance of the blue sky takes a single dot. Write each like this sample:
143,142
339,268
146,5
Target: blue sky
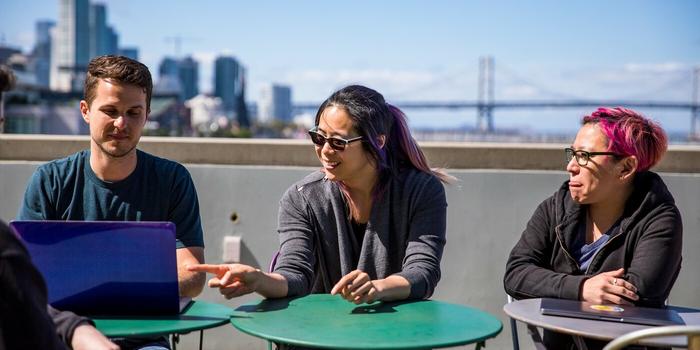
417,50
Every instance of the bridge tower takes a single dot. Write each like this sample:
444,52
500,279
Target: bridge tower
695,110
484,119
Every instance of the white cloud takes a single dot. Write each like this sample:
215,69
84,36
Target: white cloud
24,41
205,57
637,80
227,52
206,69
394,84
639,72
642,81
377,76
665,81
666,67
519,92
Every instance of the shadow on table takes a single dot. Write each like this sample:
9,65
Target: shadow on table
266,305
381,307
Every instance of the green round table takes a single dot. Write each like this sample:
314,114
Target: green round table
198,316
328,321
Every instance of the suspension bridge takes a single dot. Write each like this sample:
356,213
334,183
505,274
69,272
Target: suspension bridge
486,105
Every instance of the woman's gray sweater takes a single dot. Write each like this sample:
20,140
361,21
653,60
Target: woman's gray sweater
405,234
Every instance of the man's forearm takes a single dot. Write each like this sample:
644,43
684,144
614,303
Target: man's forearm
190,283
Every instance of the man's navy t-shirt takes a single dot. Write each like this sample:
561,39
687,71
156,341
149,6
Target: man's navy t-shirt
157,190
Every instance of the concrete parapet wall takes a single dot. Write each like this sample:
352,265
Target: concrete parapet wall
451,155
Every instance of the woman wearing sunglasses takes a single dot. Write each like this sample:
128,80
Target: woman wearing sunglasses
370,225
612,233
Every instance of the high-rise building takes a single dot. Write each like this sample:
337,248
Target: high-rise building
99,31
112,46
188,71
168,66
41,54
6,52
70,49
275,103
131,52
43,31
242,113
180,77
104,39
168,78
227,81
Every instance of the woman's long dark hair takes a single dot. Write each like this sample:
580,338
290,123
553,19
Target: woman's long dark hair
372,117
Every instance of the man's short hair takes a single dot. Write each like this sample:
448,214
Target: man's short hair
119,69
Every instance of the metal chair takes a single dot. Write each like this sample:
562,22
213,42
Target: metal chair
273,261
531,330
513,328
692,332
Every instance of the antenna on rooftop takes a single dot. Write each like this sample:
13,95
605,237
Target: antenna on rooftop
177,40
177,43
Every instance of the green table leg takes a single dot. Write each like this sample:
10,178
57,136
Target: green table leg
174,339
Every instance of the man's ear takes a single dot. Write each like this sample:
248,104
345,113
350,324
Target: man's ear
85,111
381,140
628,167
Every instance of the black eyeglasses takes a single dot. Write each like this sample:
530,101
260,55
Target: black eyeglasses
582,157
336,143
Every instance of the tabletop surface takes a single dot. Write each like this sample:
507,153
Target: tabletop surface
324,320
528,311
198,315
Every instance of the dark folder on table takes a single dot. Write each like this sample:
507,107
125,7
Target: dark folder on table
614,313
106,267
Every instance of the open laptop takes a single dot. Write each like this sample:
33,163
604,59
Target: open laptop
99,268
607,312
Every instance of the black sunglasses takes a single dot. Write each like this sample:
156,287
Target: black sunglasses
336,143
582,157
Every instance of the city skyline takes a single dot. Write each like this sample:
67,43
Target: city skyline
412,50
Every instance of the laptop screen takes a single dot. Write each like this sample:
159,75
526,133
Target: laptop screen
105,267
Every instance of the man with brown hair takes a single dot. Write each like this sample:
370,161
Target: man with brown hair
113,180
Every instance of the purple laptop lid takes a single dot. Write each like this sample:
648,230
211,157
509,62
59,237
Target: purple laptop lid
105,267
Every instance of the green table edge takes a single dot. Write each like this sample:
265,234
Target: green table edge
282,340
222,316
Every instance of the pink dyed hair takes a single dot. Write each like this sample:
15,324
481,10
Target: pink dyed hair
631,134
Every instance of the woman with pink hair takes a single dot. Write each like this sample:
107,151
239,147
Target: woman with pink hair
612,233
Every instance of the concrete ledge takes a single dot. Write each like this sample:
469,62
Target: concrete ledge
282,152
